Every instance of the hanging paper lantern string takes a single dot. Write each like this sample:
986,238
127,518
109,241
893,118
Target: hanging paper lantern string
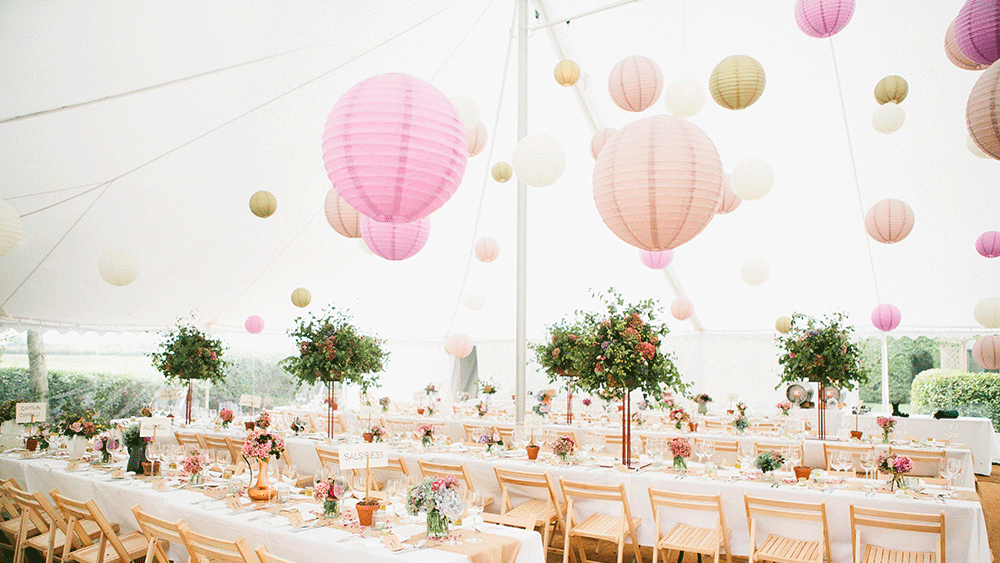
892,88
468,112
955,54
823,18
635,83
474,300
599,139
751,179
539,160
502,172
783,324
477,140
888,118
341,216
730,201
977,31
886,317
684,98
754,271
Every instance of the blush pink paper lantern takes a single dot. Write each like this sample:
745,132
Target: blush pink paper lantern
656,260
635,83
599,139
986,351
682,308
977,31
395,148
658,182
395,241
342,217
889,221
477,140
955,54
982,114
823,18
730,201
459,345
254,324
988,244
487,249
886,317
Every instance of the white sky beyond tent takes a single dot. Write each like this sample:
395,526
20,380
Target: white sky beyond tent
176,113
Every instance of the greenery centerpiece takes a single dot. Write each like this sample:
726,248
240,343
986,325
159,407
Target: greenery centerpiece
331,350
187,354
560,357
136,446
768,462
821,350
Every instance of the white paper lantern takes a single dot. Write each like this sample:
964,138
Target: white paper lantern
754,271
751,179
974,148
10,228
888,118
474,299
477,139
118,267
539,160
468,112
987,312
364,247
459,345
685,97
682,308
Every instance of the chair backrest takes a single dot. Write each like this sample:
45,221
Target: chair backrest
76,512
214,442
328,458
893,520
776,447
673,500
575,490
789,510
726,444
542,483
397,464
235,449
474,430
506,432
458,470
34,506
854,449
203,549
713,424
157,530
7,502
187,440
267,557
926,462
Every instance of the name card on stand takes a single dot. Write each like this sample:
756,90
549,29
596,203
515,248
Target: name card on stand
28,413
252,401
169,394
367,412
359,456
150,426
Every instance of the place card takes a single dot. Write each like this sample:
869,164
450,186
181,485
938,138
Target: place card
234,503
392,543
295,519
29,413
118,473
159,484
150,426
26,454
73,465
359,456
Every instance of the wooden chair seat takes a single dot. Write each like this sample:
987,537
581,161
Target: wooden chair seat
875,554
785,550
684,537
11,527
535,509
41,543
874,522
603,527
135,543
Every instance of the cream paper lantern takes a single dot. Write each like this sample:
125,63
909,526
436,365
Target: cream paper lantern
341,216
888,118
986,351
502,172
892,88
599,139
477,139
889,221
567,72
730,201
751,179
783,324
754,271
737,82
539,160
468,112
684,98
955,55
364,247
682,308
10,228
301,297
118,267
974,148
474,300
987,312
487,249
635,83
982,114
263,204
459,345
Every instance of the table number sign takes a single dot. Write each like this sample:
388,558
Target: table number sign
359,456
366,413
252,401
150,426
29,413
169,394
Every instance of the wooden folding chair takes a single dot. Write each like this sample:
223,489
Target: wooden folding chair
126,548
267,557
11,526
727,447
781,549
714,425
213,445
599,526
203,549
236,453
52,538
473,431
159,534
460,471
892,520
397,464
189,441
829,448
506,433
926,463
684,537
542,510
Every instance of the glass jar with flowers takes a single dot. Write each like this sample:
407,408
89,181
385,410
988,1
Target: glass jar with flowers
384,403
226,417
681,450
481,409
784,407
329,491
563,447
703,400
896,467
679,418
439,498
261,445
886,423
192,465
492,440
104,445
768,462
426,433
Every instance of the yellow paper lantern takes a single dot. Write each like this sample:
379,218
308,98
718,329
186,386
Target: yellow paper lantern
10,227
263,204
301,297
783,324
567,73
737,82
502,172
892,88
118,267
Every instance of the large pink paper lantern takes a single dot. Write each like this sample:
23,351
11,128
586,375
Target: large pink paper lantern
459,345
487,249
395,148
599,139
823,18
658,182
477,140
254,324
986,351
955,54
342,217
889,221
656,260
395,241
977,31
982,114
730,201
988,244
682,308
635,83
886,317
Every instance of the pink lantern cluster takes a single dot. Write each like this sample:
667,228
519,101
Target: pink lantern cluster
823,18
395,241
988,244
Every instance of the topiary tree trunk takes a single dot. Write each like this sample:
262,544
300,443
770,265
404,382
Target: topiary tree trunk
36,365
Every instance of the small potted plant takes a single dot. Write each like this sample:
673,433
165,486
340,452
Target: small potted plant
532,448
768,462
703,400
38,440
366,509
681,450
374,434
226,417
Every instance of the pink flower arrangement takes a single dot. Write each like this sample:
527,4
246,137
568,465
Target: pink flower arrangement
193,463
329,489
785,406
885,422
264,420
896,467
261,444
586,402
680,447
226,415
647,350
563,446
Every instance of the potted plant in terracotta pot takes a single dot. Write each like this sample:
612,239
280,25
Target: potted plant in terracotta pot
532,448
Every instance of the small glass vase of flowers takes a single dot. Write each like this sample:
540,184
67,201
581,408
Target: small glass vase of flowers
784,407
886,423
426,433
679,418
264,421
226,416
681,450
563,447
491,439
104,445
329,491
703,400
192,465
440,499
384,403
481,409
896,467
768,462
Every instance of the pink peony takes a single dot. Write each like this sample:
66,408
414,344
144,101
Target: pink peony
902,464
648,350
680,447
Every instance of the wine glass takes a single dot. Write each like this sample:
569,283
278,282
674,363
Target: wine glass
474,506
699,449
842,461
745,453
794,456
600,441
453,511
951,468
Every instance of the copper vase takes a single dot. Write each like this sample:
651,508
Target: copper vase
263,489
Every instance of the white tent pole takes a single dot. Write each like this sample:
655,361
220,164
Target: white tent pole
522,214
885,375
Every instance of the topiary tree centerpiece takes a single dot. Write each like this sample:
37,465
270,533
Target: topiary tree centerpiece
188,354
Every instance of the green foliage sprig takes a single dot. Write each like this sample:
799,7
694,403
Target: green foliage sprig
187,353
8,410
821,351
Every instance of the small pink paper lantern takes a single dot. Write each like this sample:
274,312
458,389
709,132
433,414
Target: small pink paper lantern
955,54
889,221
477,140
823,18
254,324
395,148
342,217
395,241
487,249
977,31
599,139
982,115
730,201
658,182
886,317
459,345
988,244
986,351
682,308
656,260
635,83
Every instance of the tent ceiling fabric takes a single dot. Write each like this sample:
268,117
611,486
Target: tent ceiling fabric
183,160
